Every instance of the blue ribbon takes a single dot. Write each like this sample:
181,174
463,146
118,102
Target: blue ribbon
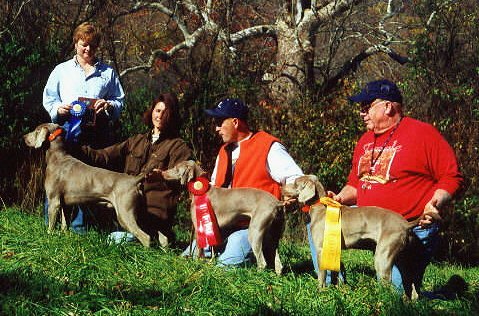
73,125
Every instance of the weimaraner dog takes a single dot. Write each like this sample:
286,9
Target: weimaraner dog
359,226
266,213
68,181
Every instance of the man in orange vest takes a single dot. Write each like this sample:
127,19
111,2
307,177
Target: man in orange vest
247,159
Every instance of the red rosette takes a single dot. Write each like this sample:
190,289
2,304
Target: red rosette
198,186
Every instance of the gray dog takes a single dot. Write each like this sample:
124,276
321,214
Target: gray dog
68,181
359,226
266,213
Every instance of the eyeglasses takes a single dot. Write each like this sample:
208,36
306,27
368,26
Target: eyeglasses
364,107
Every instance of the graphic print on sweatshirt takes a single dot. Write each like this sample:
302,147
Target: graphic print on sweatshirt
376,169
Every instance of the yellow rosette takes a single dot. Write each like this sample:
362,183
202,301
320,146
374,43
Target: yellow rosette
331,253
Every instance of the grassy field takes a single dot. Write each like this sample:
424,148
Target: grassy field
69,274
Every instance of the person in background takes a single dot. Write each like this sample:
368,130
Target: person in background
159,149
84,77
403,165
247,158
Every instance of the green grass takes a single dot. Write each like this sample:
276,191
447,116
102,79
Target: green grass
68,274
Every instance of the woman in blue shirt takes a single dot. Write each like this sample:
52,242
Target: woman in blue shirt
85,76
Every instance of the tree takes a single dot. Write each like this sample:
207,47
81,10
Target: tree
316,43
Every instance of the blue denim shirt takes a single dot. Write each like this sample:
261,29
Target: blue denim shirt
68,81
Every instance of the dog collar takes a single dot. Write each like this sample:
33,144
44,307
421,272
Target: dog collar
199,186
324,200
306,207
55,134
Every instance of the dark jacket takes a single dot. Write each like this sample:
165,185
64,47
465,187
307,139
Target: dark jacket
138,155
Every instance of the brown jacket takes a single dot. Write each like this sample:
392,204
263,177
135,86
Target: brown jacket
138,155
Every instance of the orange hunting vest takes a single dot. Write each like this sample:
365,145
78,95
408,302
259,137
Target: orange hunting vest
250,168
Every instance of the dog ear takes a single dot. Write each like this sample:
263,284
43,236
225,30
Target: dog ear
311,187
199,171
307,189
186,174
320,191
41,136
189,172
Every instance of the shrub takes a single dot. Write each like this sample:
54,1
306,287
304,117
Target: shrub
440,90
20,105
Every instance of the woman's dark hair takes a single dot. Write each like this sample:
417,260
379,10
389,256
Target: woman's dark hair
171,125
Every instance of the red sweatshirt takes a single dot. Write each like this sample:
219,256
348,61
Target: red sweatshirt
416,160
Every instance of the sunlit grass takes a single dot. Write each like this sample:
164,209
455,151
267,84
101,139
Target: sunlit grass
68,274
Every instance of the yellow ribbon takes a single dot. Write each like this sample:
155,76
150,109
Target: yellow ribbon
331,253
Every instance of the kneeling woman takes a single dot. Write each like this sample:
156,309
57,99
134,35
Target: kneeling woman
160,148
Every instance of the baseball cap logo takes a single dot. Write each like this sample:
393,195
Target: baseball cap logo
385,89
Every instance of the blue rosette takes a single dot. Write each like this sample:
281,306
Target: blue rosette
78,108
73,125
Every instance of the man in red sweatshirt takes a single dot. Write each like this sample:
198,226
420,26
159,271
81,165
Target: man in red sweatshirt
403,165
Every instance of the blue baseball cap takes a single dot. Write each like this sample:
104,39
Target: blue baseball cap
379,89
229,108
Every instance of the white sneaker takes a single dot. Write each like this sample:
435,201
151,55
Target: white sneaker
120,237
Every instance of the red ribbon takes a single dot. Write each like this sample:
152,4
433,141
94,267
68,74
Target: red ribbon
207,229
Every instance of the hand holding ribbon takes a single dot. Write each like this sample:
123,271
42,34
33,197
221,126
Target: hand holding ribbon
64,109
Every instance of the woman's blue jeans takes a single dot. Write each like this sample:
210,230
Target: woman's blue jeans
78,224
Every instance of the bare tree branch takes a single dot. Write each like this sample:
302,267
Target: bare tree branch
189,39
260,30
296,37
353,64
171,14
15,17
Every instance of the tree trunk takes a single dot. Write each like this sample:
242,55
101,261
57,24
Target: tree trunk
290,69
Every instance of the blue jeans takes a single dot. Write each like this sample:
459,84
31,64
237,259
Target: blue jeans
78,223
421,250
236,249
